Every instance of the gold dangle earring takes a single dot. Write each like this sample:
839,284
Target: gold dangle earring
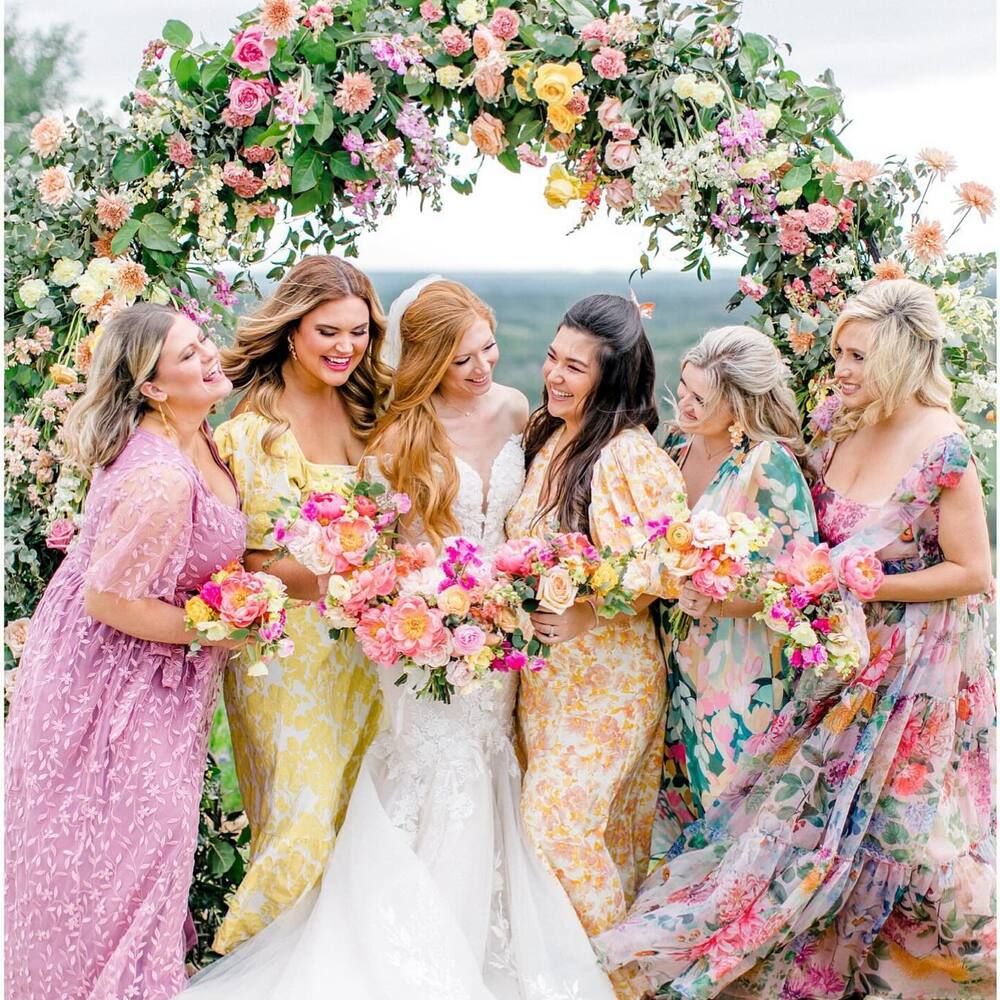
291,348
167,419
737,435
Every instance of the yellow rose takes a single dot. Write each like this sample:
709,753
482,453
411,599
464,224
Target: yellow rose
708,94
684,85
556,591
561,187
508,619
554,83
522,77
776,158
62,374
604,579
454,601
561,118
198,611
449,76
480,661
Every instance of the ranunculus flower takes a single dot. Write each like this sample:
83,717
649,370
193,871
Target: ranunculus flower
487,133
61,534
15,635
556,591
253,50
620,155
862,573
248,97
449,76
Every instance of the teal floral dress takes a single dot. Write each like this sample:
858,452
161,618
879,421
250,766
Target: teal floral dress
854,851
729,676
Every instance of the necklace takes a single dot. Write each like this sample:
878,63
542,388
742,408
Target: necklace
451,406
712,455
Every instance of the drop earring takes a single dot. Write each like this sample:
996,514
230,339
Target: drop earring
737,435
291,348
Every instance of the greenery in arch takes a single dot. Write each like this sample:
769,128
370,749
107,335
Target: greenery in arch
666,115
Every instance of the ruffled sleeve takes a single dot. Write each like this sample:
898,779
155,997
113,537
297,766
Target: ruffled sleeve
264,479
142,544
951,460
632,484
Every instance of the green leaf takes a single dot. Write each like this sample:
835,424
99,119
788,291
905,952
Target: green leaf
509,159
131,163
213,72
358,10
831,189
754,52
415,86
462,187
305,171
340,166
184,69
121,240
155,233
177,33
221,857
562,46
307,202
325,127
796,178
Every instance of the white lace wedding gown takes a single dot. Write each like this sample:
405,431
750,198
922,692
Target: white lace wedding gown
432,891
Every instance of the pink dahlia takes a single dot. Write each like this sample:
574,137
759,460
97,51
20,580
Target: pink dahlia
355,93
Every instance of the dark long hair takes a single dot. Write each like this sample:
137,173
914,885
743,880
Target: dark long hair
623,396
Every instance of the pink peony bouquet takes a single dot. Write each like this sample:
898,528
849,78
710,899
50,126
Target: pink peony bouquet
711,550
236,604
346,535
447,620
802,602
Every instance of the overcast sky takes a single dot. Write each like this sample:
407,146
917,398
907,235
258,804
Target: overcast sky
914,73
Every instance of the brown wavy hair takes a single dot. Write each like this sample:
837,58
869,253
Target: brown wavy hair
422,464
260,348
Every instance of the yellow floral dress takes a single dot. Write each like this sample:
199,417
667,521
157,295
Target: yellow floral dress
298,734
591,724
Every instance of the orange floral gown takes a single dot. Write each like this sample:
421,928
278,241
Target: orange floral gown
591,724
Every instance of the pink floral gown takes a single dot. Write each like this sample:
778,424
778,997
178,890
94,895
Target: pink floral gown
854,852
106,741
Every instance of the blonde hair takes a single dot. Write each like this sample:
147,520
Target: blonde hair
422,464
745,371
260,348
904,360
102,420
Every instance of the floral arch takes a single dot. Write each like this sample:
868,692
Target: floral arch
667,115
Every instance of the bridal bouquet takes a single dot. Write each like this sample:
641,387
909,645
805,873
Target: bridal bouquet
237,604
446,620
345,534
711,550
802,602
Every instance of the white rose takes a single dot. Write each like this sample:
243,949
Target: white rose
32,292
556,591
15,635
708,94
684,85
803,634
336,617
708,529
471,11
775,158
841,644
459,673
88,292
636,578
770,116
66,271
101,270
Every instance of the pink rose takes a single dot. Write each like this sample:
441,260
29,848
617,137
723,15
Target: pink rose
624,131
609,63
324,507
709,529
821,218
61,534
862,573
621,155
619,194
252,49
505,23
430,11
670,201
455,40
484,42
489,86
243,599
595,34
248,97
468,639
609,112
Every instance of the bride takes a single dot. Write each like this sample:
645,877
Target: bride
432,891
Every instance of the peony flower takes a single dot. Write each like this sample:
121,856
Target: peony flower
927,241
609,63
47,136
809,566
708,93
487,133
851,172
505,23
888,270
714,579
621,155
355,94
15,635
280,17
373,634
253,50
455,40
416,629
430,11
130,279
554,82
60,534
862,573
556,591
937,161
32,292
248,97
683,85
610,113
324,507
976,196
55,186
243,599
619,194
112,210
708,529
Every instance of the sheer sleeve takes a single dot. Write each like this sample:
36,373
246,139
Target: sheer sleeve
265,480
633,482
142,545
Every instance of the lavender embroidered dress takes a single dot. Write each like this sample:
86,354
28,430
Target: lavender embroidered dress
854,852
105,745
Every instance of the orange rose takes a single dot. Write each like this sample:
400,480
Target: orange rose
489,85
487,134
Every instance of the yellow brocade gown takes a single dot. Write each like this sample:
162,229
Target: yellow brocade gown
299,733
591,723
